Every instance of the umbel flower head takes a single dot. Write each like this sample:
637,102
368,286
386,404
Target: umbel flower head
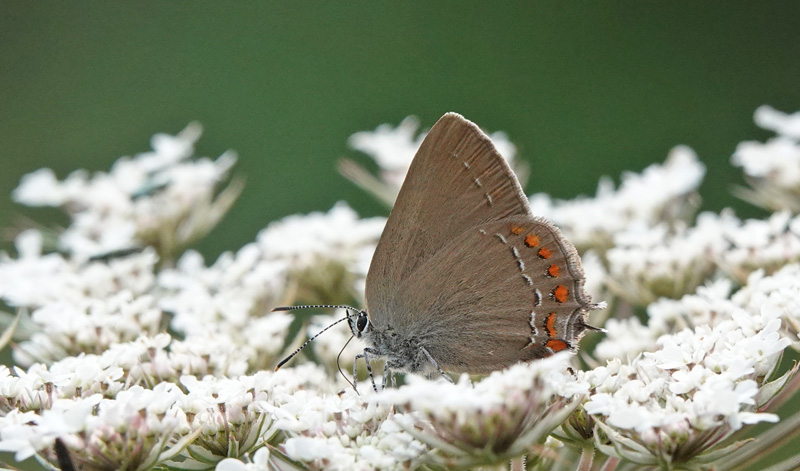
342,432
772,168
506,415
663,194
132,430
676,404
159,199
393,149
132,351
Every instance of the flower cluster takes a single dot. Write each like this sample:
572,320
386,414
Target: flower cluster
670,404
159,199
393,149
343,432
78,306
90,314
772,168
110,416
327,254
664,193
507,415
130,351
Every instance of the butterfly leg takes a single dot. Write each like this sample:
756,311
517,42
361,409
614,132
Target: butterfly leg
355,370
366,356
385,375
430,359
390,371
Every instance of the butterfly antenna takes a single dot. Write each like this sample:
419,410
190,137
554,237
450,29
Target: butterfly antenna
340,366
315,306
291,308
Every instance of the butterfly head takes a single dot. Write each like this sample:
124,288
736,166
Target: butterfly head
359,324
358,321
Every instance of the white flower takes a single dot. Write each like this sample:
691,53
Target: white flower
157,198
596,285
17,436
783,124
89,325
308,376
230,415
664,193
63,418
258,462
772,168
343,432
625,339
393,149
38,280
29,244
757,244
325,252
338,234
698,383
651,262
499,418
779,293
778,160
308,448
78,306
204,299
227,306
39,188
115,388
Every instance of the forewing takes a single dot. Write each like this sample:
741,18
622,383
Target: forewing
456,181
499,293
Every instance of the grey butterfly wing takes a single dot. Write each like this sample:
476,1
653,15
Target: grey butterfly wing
499,293
457,180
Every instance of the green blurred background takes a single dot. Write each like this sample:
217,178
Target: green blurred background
585,89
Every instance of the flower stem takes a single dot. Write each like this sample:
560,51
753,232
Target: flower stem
587,457
770,440
610,464
788,464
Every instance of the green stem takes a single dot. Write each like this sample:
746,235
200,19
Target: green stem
518,464
767,442
789,464
566,457
587,457
610,464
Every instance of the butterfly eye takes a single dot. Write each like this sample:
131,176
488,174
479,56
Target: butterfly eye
362,322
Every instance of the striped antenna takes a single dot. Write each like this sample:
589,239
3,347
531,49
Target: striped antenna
313,306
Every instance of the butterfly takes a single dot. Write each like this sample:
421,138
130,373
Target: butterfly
465,279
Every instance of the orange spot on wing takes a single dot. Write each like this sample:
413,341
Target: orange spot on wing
552,270
517,230
550,324
544,252
556,345
531,240
560,293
